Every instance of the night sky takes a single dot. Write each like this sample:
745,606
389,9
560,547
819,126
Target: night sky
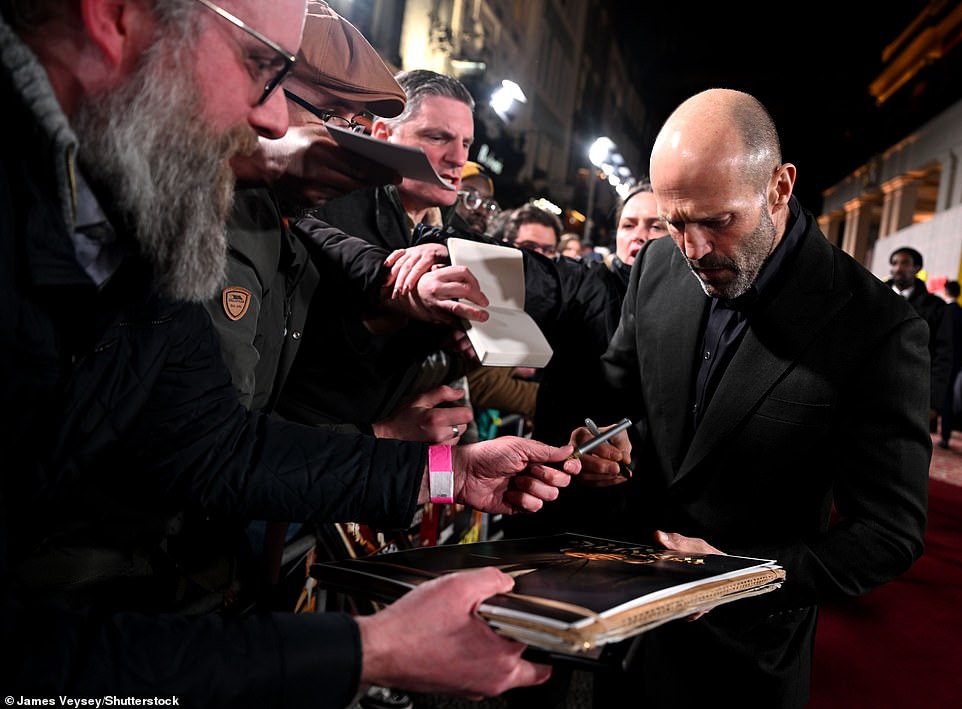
808,64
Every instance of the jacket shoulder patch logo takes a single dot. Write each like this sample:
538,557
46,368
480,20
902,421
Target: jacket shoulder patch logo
236,301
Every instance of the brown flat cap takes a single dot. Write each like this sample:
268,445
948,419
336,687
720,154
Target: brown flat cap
336,58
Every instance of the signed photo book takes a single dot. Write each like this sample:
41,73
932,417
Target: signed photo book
573,593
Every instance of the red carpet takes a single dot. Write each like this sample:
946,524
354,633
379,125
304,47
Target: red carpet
901,645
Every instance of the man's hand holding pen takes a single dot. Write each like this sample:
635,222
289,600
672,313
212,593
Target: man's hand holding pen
604,453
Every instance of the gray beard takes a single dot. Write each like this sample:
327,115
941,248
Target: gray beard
148,146
746,264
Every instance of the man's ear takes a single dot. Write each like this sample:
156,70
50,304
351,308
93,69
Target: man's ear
119,28
381,130
781,185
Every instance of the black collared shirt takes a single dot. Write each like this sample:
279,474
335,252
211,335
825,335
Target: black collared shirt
728,319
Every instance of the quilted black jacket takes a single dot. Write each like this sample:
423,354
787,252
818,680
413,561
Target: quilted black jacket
118,410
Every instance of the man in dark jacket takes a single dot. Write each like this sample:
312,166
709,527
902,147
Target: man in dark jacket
260,312
119,409
905,265
571,304
378,364
781,392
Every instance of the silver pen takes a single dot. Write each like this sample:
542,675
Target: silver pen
593,428
600,438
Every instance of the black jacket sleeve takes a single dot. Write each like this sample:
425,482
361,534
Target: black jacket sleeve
355,262
277,660
155,426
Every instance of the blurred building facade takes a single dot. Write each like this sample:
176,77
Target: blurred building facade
910,192
578,85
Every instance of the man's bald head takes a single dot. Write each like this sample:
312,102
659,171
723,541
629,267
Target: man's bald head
722,188
721,125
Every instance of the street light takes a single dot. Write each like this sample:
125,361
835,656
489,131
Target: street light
626,184
598,155
505,98
600,150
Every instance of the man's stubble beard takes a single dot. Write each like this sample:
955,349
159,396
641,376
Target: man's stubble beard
746,264
147,144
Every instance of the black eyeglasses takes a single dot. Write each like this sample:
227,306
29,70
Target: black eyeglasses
268,73
351,124
475,202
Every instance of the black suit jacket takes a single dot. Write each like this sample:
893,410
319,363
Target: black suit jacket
824,404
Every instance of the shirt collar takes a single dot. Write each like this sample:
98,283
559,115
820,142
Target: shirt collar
89,211
94,239
904,292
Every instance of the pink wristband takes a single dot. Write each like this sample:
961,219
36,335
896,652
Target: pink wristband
440,474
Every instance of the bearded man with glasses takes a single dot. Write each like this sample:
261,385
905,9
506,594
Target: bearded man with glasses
113,200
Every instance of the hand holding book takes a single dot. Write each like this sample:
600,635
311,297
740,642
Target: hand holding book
573,594
420,284
688,545
457,653
509,337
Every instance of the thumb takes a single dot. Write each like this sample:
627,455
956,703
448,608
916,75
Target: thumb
664,538
498,581
539,452
485,582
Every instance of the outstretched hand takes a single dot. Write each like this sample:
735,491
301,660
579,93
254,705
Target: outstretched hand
511,474
433,641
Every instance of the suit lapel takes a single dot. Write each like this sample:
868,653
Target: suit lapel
672,310
785,324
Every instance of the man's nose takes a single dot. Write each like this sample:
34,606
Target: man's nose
695,243
270,119
457,155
